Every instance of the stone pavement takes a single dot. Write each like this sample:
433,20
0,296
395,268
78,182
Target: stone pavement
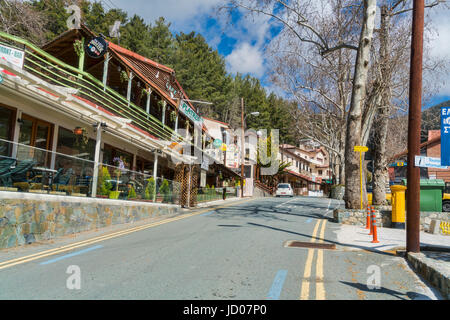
433,263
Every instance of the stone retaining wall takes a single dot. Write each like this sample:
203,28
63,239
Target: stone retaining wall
434,269
26,218
358,217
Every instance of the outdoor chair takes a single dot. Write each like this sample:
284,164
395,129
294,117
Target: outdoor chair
6,164
19,176
61,181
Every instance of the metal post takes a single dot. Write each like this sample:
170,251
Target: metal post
96,160
414,122
147,107
129,87
163,118
155,169
105,70
242,148
81,59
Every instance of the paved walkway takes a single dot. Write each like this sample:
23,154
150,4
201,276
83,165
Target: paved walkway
357,237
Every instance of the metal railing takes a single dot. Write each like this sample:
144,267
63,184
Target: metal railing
34,170
56,72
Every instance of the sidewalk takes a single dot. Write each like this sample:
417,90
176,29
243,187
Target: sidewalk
432,263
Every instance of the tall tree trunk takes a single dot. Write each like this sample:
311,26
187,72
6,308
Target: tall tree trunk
353,134
380,136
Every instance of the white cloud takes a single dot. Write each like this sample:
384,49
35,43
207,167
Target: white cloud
440,45
246,58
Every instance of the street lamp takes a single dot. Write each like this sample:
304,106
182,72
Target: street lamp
256,113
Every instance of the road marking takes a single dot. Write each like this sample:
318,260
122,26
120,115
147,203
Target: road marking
304,294
50,252
71,255
320,289
277,285
207,214
309,220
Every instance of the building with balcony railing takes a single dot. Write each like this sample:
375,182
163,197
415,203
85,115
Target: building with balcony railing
114,125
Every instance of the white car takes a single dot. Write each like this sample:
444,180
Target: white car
284,190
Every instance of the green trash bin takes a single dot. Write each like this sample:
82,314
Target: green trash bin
431,191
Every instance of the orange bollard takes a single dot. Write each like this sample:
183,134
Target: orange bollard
372,213
368,225
374,228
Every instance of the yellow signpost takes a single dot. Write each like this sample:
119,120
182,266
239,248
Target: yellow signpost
361,149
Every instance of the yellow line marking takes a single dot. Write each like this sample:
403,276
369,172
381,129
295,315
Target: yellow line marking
320,289
304,294
50,252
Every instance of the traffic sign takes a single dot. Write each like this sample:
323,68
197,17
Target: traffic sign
445,136
361,149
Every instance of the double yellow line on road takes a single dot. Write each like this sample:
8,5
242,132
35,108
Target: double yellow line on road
320,289
50,252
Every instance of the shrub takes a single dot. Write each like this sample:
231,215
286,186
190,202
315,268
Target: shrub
105,186
164,189
150,190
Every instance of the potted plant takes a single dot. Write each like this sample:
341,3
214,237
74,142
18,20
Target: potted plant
150,190
114,194
132,193
105,185
164,189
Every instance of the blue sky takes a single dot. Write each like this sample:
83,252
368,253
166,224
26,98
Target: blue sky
242,39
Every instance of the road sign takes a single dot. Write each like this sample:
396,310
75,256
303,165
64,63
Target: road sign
445,136
427,162
398,164
361,149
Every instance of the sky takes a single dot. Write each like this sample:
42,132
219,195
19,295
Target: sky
242,39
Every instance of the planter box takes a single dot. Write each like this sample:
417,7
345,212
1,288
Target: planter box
8,189
78,194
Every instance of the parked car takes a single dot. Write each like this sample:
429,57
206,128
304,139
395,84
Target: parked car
284,189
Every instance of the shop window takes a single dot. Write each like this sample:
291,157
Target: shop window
75,145
109,153
7,120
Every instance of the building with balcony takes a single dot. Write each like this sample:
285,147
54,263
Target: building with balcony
115,125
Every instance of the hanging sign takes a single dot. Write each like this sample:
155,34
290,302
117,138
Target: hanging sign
445,136
217,143
11,55
96,48
191,114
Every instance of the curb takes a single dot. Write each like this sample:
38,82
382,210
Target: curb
437,276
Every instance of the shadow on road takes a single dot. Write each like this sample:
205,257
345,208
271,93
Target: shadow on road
402,296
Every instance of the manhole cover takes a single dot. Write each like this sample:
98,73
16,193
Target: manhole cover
312,245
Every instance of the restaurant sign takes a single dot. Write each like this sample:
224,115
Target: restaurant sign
191,114
11,55
96,48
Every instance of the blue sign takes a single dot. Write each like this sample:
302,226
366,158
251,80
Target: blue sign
445,136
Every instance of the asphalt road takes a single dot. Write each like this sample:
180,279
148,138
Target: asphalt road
233,252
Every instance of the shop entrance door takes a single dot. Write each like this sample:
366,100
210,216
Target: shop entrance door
38,134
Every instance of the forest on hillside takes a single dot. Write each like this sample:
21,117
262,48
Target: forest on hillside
199,68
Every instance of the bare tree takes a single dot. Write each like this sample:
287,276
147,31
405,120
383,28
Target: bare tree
20,19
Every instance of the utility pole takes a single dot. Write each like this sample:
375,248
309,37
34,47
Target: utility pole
242,148
414,122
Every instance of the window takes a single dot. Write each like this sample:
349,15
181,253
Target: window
7,119
74,145
320,172
110,152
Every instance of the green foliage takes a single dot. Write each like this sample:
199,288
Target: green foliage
132,193
150,190
200,69
105,185
164,189
114,194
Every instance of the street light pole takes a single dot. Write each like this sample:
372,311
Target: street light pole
414,122
242,148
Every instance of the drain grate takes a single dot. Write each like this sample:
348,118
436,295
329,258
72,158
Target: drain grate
312,245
